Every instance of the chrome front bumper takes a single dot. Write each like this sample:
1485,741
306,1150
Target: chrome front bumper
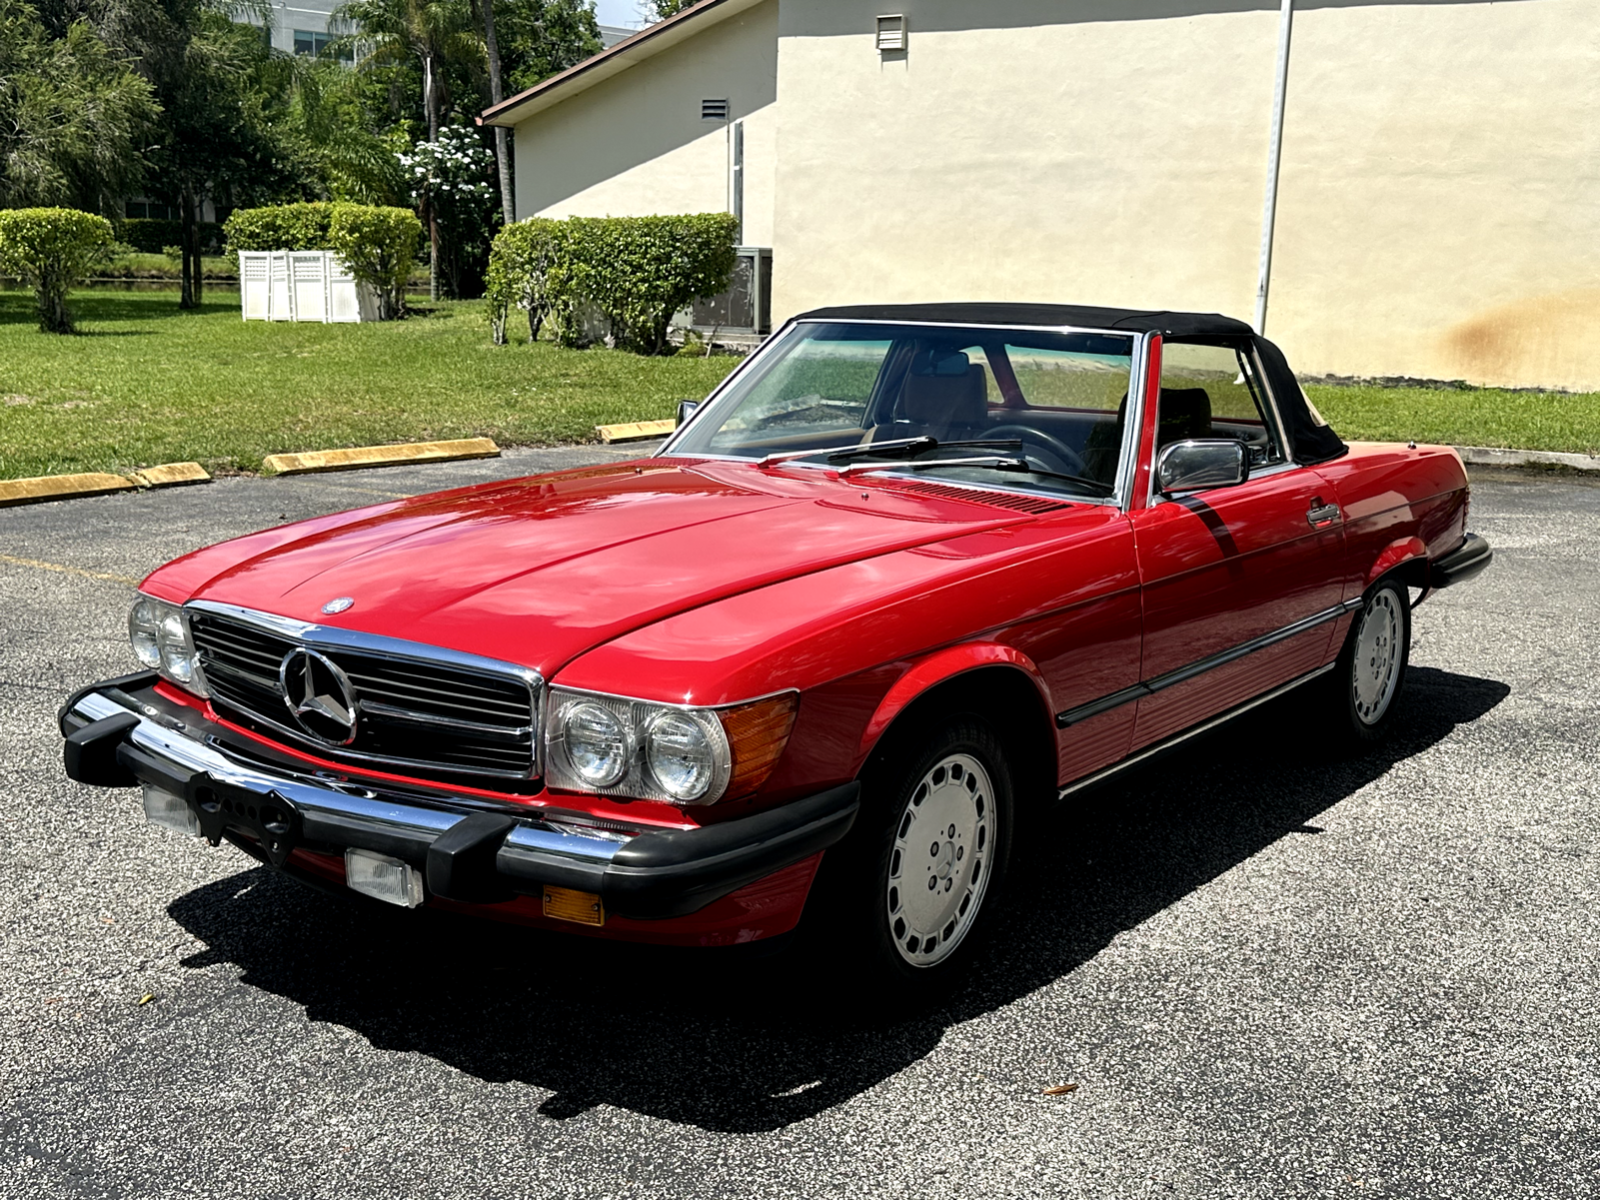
123,733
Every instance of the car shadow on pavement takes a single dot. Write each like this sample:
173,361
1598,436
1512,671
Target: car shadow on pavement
736,1042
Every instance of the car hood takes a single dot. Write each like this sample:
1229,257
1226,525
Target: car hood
536,571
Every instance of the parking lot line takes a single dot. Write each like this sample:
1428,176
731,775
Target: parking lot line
66,570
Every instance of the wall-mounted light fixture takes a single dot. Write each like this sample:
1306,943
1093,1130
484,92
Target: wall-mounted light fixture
891,33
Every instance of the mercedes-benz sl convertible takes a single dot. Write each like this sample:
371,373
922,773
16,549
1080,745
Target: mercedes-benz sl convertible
907,577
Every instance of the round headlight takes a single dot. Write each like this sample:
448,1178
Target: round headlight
680,755
597,744
142,622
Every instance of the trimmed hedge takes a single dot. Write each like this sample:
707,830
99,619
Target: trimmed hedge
52,249
378,244
280,227
152,235
636,272
519,271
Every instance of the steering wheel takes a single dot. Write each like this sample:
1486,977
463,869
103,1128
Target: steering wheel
1070,463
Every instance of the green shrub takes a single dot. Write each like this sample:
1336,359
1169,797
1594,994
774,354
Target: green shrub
151,235
280,227
379,245
52,249
635,272
519,272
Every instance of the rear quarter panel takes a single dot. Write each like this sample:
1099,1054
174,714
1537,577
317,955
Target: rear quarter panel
1399,504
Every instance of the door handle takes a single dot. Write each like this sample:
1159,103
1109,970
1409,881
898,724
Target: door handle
1322,516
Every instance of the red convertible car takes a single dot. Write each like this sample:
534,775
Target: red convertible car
909,575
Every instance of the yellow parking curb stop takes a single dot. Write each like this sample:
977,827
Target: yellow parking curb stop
379,456
59,487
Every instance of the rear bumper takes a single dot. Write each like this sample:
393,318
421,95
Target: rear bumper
122,733
1462,563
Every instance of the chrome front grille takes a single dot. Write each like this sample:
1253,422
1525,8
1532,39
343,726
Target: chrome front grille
418,711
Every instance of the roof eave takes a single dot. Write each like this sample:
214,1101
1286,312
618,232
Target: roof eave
649,41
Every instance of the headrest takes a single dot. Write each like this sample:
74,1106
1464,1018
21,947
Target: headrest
939,400
1185,413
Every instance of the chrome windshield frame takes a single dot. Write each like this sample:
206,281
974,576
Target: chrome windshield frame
1127,460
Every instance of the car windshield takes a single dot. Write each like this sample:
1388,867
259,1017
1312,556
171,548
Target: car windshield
1055,399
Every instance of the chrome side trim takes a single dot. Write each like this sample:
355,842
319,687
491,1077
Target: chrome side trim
1176,739
355,815
1150,687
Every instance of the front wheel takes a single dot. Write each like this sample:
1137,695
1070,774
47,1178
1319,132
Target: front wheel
1371,670
911,887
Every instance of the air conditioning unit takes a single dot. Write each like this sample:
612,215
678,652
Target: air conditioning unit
746,306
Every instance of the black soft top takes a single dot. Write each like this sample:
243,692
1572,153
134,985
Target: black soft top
1132,320
1313,440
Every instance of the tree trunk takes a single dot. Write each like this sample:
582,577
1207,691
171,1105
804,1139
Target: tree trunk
186,239
502,149
194,258
430,97
433,252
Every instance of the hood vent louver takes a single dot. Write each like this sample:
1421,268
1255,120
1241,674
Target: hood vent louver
1033,505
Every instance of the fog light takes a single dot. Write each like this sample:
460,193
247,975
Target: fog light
383,878
170,811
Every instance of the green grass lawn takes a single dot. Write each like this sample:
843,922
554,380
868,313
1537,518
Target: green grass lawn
144,383
1462,416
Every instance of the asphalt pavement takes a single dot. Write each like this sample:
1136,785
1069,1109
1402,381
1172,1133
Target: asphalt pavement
1270,973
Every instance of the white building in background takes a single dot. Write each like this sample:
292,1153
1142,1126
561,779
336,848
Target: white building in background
1436,212
301,26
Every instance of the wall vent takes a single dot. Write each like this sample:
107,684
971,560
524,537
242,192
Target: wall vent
891,33
713,110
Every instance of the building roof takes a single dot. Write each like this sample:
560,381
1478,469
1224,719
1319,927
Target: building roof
647,43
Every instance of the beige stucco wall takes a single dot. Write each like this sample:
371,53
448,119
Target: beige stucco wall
1439,216
634,144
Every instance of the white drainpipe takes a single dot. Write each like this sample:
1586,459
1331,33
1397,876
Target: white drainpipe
1269,211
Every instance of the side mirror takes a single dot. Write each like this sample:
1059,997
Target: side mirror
686,409
1195,464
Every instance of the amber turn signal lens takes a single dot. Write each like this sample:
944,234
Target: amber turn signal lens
569,904
757,734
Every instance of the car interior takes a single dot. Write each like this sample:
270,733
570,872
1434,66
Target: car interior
940,391
1063,397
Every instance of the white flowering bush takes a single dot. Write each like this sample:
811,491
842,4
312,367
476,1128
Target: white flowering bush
454,176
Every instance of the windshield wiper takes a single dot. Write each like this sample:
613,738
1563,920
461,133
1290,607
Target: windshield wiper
851,450
923,445
998,463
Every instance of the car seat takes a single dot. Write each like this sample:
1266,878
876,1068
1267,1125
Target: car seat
943,398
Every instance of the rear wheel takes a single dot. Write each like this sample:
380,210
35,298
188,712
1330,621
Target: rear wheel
907,894
1371,671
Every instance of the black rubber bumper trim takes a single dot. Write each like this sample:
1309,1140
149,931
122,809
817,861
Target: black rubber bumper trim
680,871
90,752
669,873
1462,563
677,872
122,684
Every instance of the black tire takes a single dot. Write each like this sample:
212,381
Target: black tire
860,878
1366,684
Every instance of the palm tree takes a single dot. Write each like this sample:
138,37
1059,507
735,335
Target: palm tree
433,33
